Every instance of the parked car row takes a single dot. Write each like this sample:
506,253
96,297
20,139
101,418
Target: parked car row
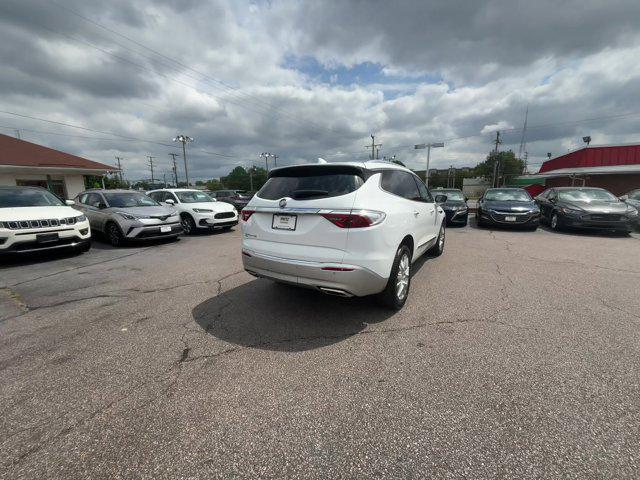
558,207
33,219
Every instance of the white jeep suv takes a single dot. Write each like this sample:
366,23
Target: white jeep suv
347,229
34,219
197,209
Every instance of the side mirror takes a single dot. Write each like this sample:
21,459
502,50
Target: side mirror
69,202
102,205
169,201
553,200
466,199
624,198
441,198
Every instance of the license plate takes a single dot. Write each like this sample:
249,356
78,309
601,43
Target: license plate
47,237
284,222
165,229
509,219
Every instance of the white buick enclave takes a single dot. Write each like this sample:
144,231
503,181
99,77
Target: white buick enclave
347,229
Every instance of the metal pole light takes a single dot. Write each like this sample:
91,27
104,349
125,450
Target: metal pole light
266,156
428,146
184,139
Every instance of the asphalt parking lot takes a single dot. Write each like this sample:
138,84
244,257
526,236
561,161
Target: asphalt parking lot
517,355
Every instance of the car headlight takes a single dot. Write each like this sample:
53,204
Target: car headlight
570,211
81,218
202,210
126,215
461,208
632,212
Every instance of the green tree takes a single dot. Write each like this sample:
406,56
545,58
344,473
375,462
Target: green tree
509,165
213,185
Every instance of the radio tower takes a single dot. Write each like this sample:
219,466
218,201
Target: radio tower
523,140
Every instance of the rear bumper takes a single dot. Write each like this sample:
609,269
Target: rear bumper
358,281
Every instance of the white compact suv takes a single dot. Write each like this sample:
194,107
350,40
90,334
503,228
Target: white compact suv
33,219
197,209
347,229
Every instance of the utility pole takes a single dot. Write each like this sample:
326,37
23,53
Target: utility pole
174,168
151,166
119,167
164,178
496,164
251,178
428,146
275,160
184,139
373,147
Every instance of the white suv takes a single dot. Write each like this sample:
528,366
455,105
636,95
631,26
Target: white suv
197,209
33,219
343,228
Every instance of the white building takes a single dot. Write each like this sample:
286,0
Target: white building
27,164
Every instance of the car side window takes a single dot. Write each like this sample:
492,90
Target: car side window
155,196
425,195
93,200
169,196
83,198
400,183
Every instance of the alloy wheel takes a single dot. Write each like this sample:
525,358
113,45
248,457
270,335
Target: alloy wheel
441,239
554,221
186,225
114,235
402,278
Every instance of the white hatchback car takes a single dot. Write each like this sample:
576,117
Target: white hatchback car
197,209
33,219
347,229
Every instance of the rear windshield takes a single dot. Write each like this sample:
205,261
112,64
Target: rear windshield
302,185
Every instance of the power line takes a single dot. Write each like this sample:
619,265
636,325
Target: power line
229,88
124,137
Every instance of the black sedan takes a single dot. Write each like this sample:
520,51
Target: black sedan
455,206
585,207
508,207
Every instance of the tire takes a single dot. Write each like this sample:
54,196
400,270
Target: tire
555,222
479,221
188,224
114,235
438,248
391,297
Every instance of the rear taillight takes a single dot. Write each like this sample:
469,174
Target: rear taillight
355,218
246,214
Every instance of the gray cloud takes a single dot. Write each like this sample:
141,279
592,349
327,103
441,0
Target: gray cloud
572,61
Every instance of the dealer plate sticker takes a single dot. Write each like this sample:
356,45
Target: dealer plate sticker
284,222
165,229
509,219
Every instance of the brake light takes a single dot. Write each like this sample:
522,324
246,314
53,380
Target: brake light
355,219
246,214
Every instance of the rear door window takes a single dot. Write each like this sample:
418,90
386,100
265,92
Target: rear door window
310,183
400,183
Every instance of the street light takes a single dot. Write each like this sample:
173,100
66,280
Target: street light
184,140
266,156
428,146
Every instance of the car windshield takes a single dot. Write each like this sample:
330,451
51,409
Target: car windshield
28,197
452,195
129,199
586,196
635,195
194,196
507,196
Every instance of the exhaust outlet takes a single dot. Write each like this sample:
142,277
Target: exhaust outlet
334,291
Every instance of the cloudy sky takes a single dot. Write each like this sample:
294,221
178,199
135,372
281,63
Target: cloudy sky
315,79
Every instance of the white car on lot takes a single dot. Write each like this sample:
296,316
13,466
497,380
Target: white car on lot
348,229
197,209
33,219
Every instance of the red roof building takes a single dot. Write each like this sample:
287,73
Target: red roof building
613,167
29,164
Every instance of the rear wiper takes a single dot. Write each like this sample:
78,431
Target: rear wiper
297,194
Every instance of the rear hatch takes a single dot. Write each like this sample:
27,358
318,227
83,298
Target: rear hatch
287,221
